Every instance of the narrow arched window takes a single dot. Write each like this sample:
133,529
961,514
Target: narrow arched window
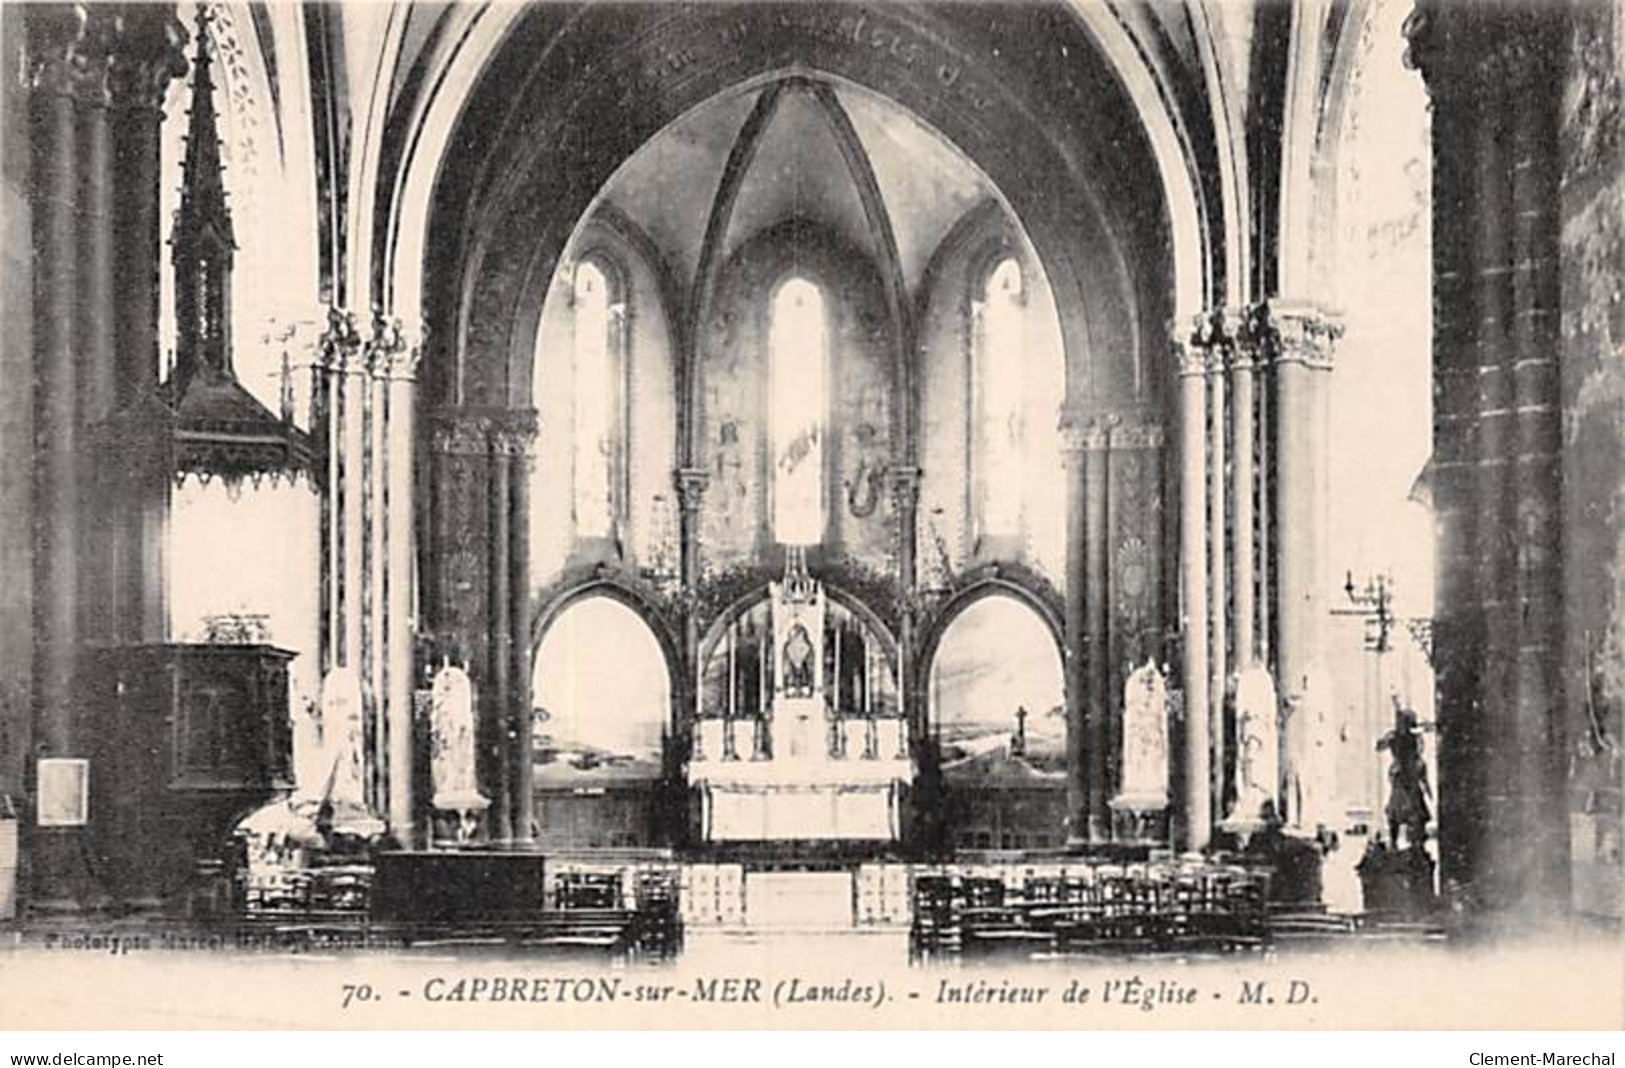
599,395
799,360
998,388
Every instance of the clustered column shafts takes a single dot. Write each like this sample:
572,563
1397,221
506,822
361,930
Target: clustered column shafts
1222,565
479,603
363,413
95,78
1084,446
96,319
1298,341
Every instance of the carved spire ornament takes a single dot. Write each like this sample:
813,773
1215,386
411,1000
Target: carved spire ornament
220,428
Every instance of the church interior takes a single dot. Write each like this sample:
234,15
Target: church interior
1066,475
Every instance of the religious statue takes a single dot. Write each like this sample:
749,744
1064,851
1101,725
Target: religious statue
1145,741
1308,732
452,748
1408,789
1257,748
343,803
798,665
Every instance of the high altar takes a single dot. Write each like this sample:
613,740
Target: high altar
800,770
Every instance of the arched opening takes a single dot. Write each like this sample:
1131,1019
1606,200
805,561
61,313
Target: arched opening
1380,430
601,696
997,713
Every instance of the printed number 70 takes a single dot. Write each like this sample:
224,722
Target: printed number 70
356,992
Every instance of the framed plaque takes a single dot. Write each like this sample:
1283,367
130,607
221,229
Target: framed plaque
64,792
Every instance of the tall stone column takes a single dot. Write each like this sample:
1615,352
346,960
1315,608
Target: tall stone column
338,358
1492,73
1301,340
500,620
58,39
1197,814
1214,333
457,586
690,483
148,57
904,480
373,386
1076,430
1538,730
94,314
512,447
1097,616
398,371
1243,369
1459,624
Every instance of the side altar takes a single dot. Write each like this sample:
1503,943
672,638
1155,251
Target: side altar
807,764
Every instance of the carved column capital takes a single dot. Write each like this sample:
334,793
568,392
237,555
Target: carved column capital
1210,344
1190,360
1298,333
148,54
71,52
690,483
386,347
512,432
339,345
1082,433
1136,434
460,432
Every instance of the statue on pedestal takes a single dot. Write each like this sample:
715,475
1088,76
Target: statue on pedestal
1310,771
1408,788
1257,750
343,805
1145,742
452,749
1396,876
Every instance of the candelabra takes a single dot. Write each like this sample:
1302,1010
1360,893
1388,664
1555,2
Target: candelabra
1375,602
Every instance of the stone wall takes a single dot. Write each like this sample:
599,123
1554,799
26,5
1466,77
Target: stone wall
16,417
1593,390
